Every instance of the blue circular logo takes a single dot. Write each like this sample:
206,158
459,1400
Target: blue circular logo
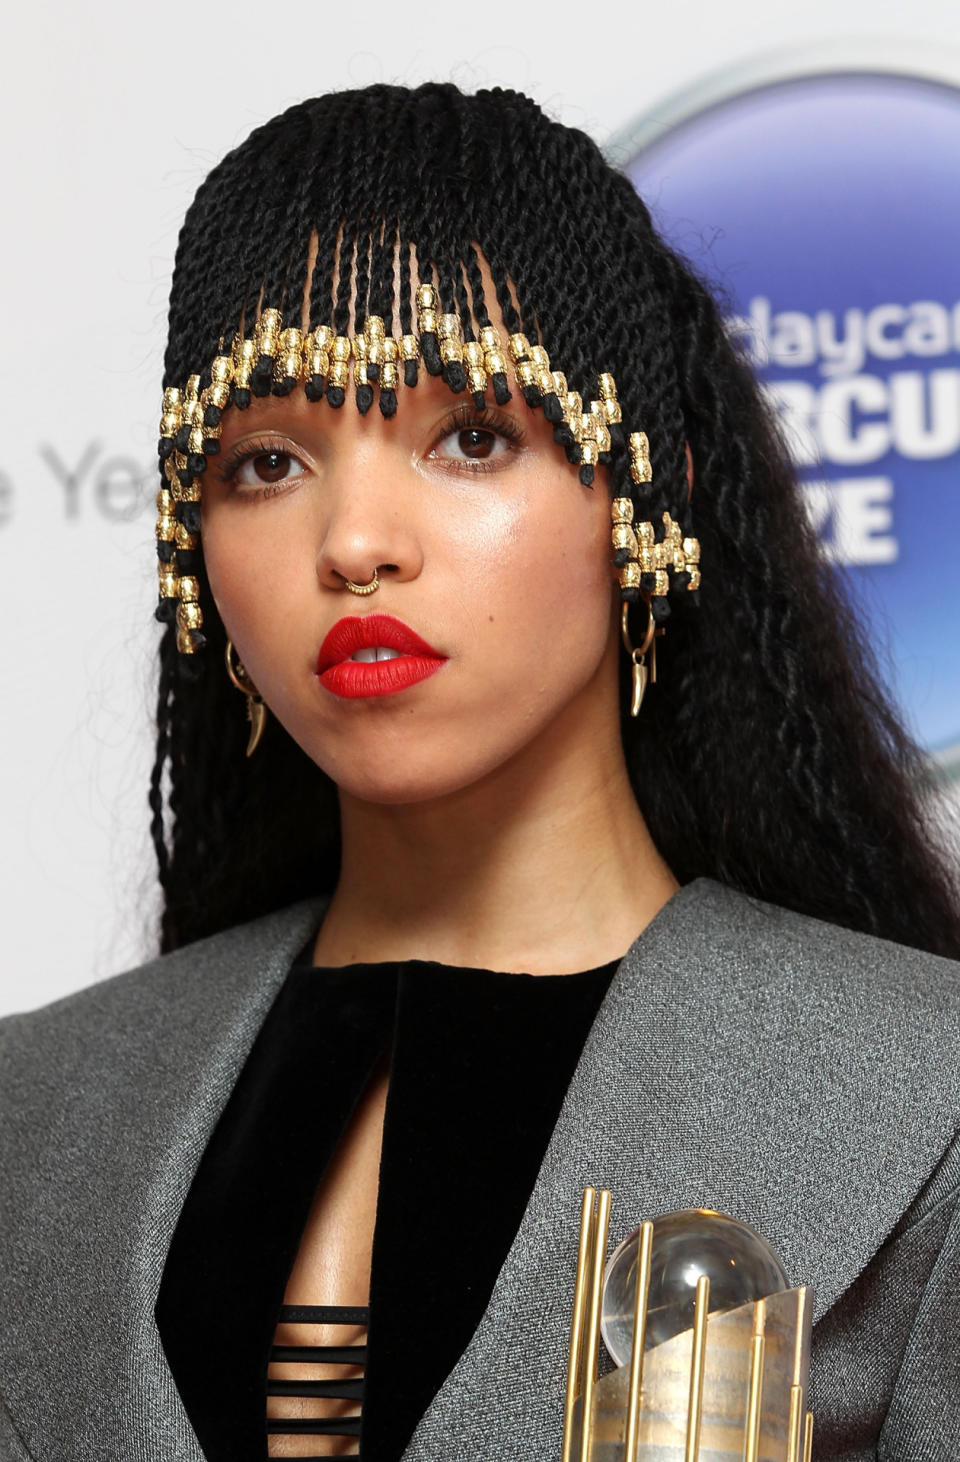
825,210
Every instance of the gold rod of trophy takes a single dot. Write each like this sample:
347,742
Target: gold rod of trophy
808,1438
574,1363
591,1340
695,1407
803,1299
641,1296
751,1445
793,1425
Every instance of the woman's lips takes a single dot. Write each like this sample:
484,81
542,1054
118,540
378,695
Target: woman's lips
345,677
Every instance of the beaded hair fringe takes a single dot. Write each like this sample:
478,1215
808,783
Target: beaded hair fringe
652,557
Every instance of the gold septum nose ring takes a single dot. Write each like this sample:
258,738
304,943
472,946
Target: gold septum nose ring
370,588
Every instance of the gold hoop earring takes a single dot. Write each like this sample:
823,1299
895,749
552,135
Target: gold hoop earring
256,710
638,655
370,588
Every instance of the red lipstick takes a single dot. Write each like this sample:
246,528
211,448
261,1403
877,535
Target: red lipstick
351,678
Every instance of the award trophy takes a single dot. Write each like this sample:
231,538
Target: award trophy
710,1345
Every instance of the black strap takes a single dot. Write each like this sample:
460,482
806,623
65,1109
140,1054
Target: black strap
337,1390
325,1314
346,1355
346,1426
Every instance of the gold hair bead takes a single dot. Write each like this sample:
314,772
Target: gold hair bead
608,397
359,349
267,332
221,372
184,540
289,355
316,351
574,411
646,550
543,376
426,310
624,538
172,414
475,361
389,374
164,500
244,360
639,448
166,528
374,336
450,335
598,425
339,361
186,493
410,348
169,583
519,347
189,615
494,360
189,589
185,642
218,392
591,438
630,576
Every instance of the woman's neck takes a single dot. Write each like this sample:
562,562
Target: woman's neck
544,866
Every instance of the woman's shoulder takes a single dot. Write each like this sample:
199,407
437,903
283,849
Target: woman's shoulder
819,1006
809,959
161,1004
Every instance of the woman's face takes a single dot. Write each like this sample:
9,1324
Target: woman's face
487,545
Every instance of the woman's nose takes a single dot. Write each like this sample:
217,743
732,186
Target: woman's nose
368,525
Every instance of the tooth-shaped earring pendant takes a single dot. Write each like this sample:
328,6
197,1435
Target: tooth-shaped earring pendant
257,716
638,655
639,682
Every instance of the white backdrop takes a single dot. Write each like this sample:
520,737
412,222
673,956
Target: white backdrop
111,118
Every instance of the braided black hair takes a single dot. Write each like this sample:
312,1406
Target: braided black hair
769,756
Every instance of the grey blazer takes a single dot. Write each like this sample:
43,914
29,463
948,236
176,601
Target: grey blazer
748,1059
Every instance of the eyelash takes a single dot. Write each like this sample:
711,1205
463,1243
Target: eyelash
257,447
462,418
467,417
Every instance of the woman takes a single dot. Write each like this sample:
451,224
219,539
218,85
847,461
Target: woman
603,875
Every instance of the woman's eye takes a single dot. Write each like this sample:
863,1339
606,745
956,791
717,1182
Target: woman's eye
472,444
263,468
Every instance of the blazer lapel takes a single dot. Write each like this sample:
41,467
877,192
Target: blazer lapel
746,1059
140,1069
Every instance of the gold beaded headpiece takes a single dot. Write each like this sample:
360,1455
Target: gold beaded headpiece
651,556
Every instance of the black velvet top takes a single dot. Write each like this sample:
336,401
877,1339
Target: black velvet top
479,1065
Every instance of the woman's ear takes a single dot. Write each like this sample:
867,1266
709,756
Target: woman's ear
689,472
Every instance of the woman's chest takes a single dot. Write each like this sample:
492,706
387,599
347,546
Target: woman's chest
316,1373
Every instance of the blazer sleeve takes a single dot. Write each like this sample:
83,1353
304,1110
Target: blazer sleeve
923,1419
11,1447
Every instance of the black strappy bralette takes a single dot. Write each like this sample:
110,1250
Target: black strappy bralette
348,1389
479,1065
